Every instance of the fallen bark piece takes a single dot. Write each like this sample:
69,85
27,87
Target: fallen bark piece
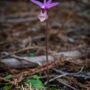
15,63
22,62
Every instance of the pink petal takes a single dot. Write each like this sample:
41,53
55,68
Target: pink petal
49,1
37,3
45,1
52,5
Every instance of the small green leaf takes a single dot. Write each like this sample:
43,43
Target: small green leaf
35,82
8,77
31,54
6,87
35,77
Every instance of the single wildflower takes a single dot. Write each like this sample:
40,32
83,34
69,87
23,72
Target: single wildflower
45,6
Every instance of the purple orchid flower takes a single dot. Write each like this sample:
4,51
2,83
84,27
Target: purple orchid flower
47,4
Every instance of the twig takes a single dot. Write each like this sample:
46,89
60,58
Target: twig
59,76
62,82
2,79
77,75
27,48
38,69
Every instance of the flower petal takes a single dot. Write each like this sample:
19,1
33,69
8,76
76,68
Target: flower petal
37,3
45,1
49,1
52,5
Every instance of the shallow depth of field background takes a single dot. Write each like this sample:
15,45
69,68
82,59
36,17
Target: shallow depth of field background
21,33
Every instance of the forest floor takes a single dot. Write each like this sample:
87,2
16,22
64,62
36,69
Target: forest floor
22,47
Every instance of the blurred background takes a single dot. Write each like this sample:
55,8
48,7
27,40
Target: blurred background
22,34
68,25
